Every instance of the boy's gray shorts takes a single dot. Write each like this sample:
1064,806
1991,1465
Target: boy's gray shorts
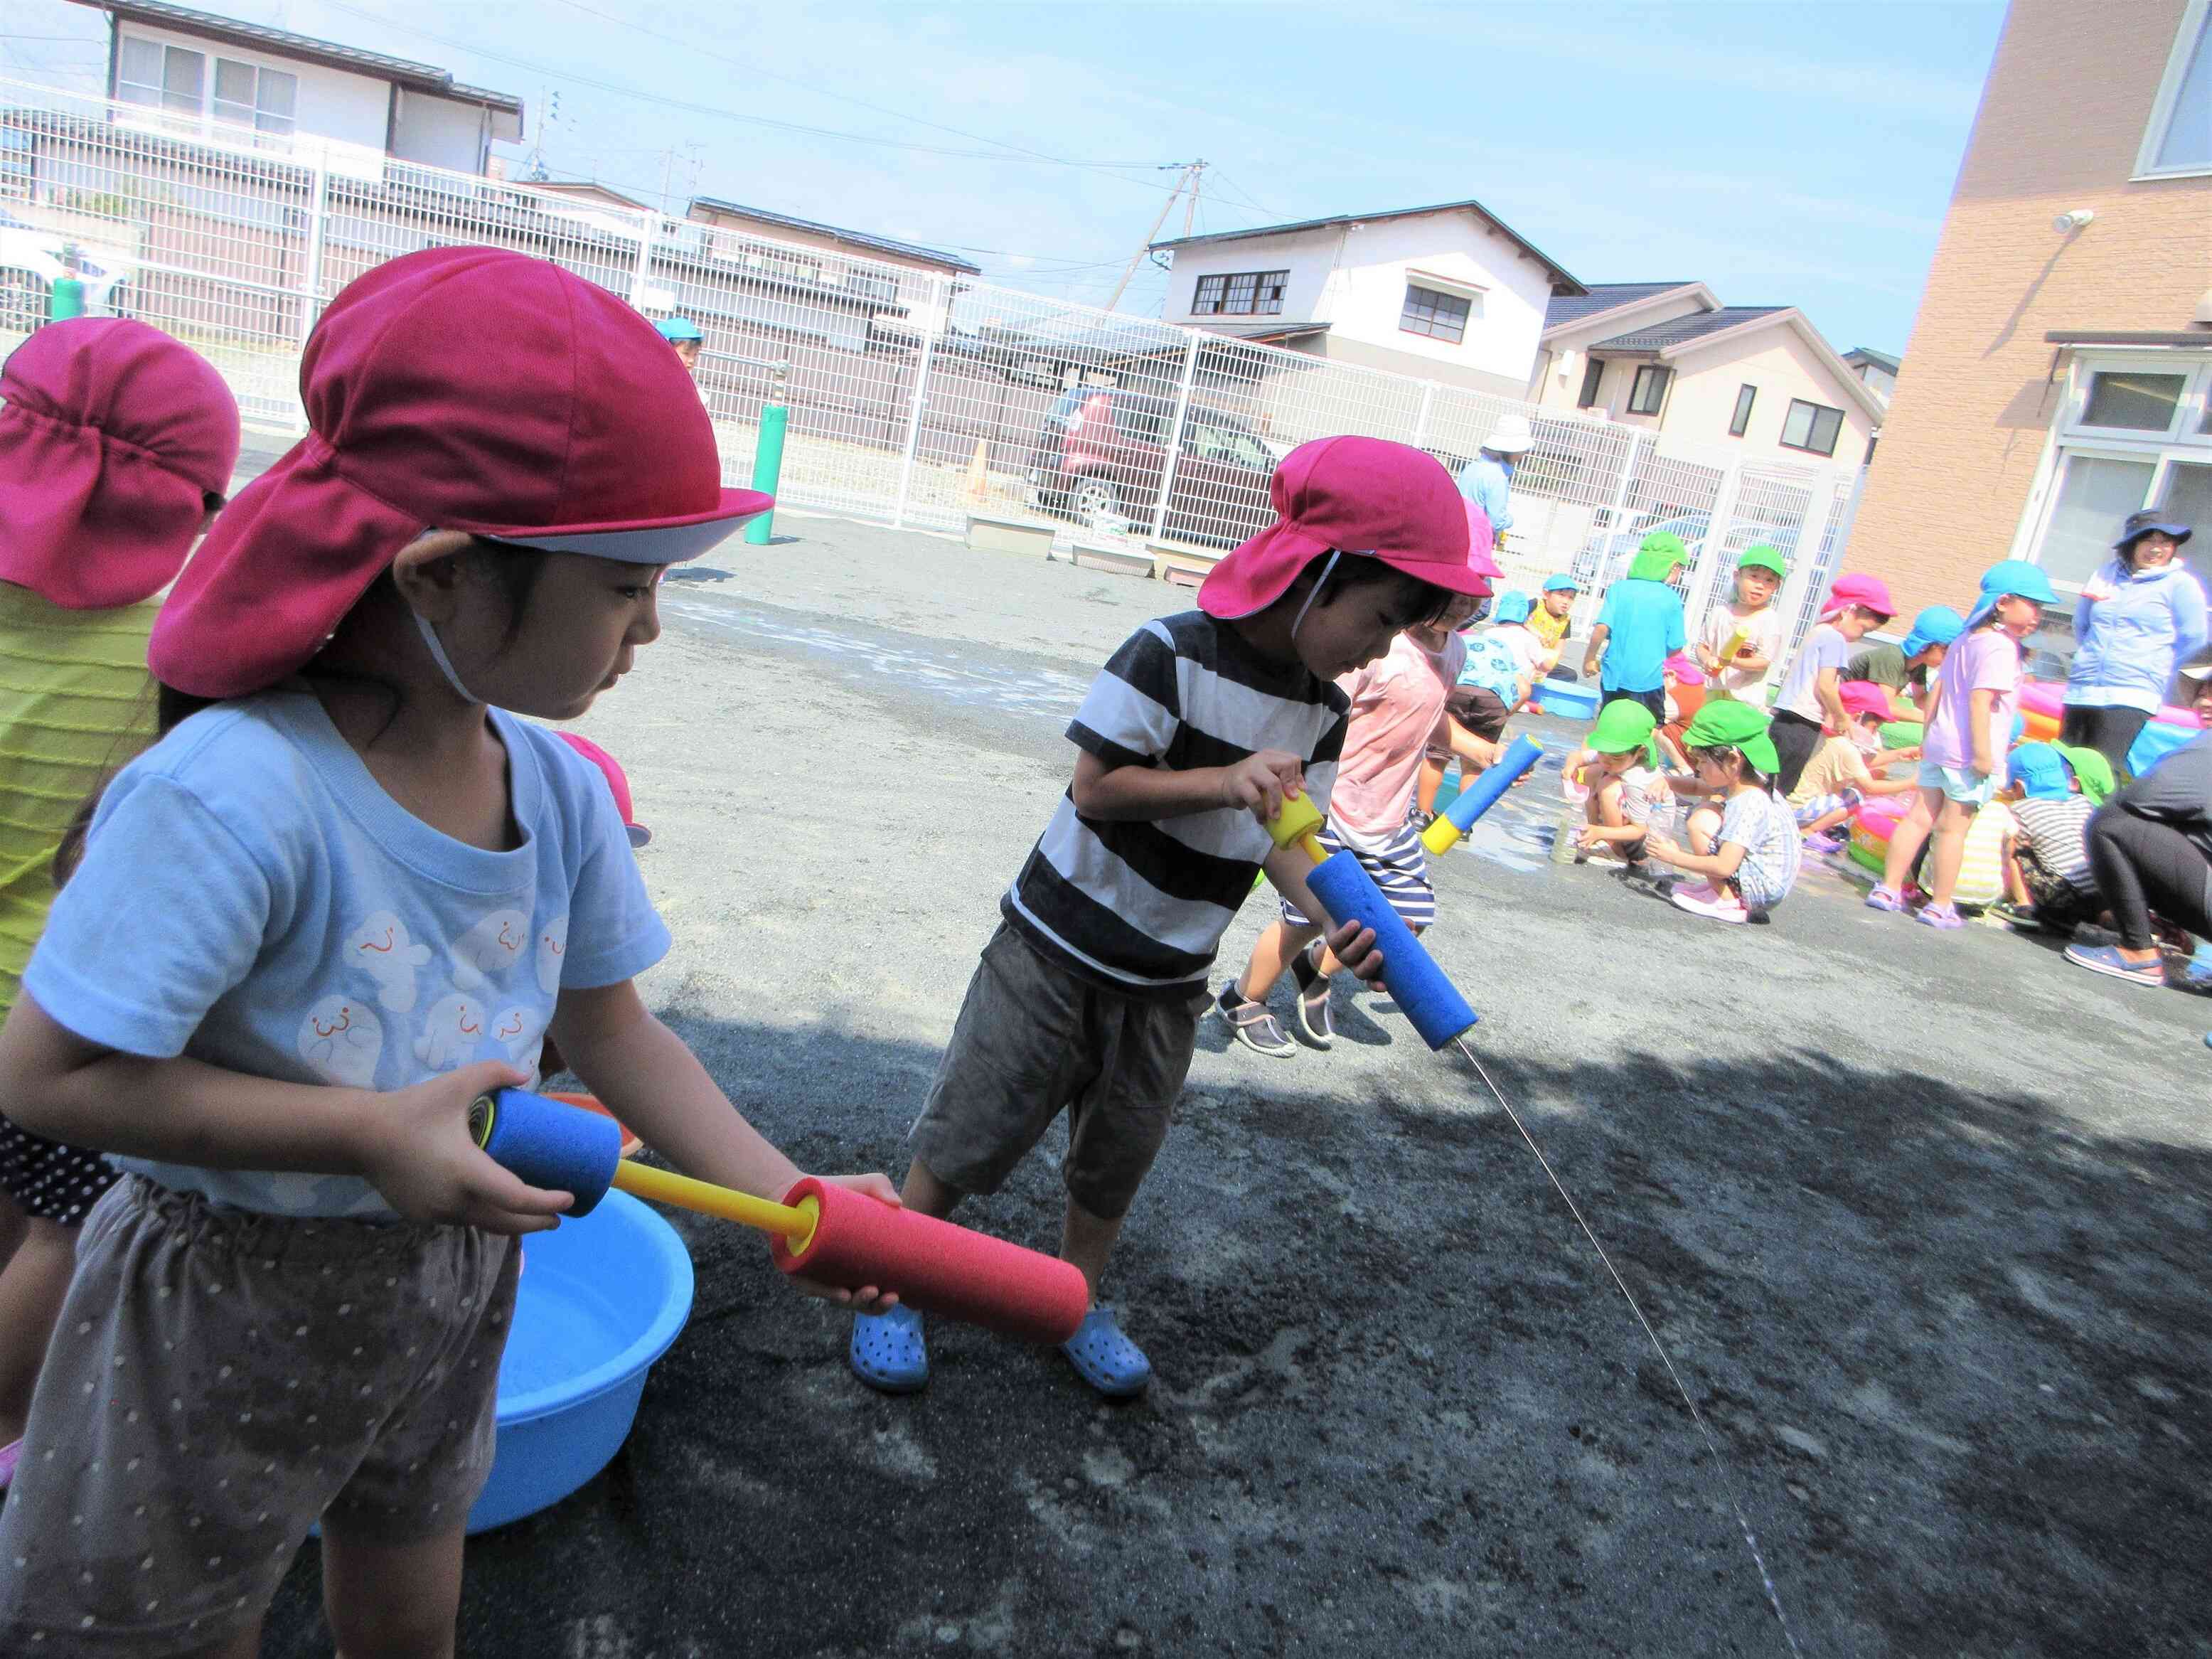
221,1380
1032,1040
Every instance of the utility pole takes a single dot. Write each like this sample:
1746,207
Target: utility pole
1191,170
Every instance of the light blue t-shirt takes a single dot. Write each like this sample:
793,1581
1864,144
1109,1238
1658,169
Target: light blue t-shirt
251,897
1489,484
1644,622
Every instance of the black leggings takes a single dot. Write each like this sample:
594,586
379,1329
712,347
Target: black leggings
2144,866
2110,732
1796,741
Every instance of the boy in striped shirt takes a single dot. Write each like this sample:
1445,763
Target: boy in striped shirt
1088,997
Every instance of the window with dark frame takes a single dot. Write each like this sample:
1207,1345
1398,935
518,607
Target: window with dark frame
1813,428
1740,422
1439,315
1241,293
1592,377
1649,392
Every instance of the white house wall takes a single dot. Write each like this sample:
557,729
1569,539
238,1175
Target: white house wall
330,103
1779,361
439,132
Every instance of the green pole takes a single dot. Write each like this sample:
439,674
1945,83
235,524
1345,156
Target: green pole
767,464
64,299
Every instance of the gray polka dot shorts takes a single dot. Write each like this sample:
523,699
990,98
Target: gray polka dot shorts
218,1382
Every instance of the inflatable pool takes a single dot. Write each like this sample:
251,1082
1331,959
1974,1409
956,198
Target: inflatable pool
2048,700
1870,826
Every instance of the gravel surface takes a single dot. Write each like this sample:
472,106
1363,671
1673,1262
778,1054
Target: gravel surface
1921,1218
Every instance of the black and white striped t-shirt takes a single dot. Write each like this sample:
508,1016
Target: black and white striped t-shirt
1139,907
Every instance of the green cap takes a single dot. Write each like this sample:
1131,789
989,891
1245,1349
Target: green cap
1658,554
1726,724
2091,770
1762,558
1622,725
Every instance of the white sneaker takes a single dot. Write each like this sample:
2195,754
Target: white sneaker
1722,904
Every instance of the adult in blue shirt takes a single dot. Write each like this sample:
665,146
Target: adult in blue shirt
1639,627
1487,479
2140,616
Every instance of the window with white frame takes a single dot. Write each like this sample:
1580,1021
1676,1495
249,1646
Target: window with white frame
181,80
2178,140
2134,432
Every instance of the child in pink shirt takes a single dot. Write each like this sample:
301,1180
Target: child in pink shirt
1397,713
1962,753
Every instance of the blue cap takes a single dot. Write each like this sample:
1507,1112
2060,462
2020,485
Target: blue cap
2011,578
675,329
1562,583
2042,771
1512,608
1937,625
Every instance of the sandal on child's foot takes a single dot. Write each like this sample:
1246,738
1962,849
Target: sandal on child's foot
1105,1359
890,1352
1254,1025
1940,916
1883,898
1315,1018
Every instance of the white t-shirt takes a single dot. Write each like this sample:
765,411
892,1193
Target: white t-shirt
1826,648
1762,632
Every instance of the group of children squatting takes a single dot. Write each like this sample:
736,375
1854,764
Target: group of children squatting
349,884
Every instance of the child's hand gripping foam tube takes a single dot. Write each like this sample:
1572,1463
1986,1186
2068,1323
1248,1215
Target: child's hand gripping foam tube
1455,820
1348,893
823,1231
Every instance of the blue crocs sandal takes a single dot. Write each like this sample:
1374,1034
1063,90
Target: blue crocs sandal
889,1352
1105,1359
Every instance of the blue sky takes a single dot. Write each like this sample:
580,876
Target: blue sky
1784,153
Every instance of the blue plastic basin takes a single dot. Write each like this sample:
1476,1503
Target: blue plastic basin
1566,701
601,1298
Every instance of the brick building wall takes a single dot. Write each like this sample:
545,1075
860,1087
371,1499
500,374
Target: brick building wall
2062,119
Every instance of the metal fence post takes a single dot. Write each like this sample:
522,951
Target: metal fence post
1712,548
318,214
1175,436
1421,415
640,277
1809,568
939,309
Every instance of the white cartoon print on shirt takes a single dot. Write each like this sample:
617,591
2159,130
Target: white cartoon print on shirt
343,1039
451,1032
518,1030
382,947
552,945
489,948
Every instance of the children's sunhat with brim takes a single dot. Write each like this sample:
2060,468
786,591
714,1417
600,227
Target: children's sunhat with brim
461,388
2091,770
1868,593
2041,771
1562,583
1724,724
115,439
1512,606
617,783
2010,579
1937,625
1864,697
1363,497
1622,725
1763,557
1656,556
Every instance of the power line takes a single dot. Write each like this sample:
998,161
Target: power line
706,109
753,67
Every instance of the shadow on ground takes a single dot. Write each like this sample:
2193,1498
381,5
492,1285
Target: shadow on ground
1955,1353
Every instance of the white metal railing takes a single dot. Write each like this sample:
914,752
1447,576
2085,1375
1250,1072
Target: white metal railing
917,397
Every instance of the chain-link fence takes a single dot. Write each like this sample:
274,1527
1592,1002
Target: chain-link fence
916,395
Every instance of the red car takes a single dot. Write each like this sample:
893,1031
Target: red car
1102,454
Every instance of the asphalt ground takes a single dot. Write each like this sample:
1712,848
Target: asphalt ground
1921,1219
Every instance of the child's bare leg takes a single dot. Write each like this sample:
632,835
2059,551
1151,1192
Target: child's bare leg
1950,849
924,1192
1703,831
1909,835
31,1287
1606,801
1826,821
1432,779
1087,1240
1271,955
391,1600
2015,883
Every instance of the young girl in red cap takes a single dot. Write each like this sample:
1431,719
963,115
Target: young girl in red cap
346,893
116,443
1088,997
